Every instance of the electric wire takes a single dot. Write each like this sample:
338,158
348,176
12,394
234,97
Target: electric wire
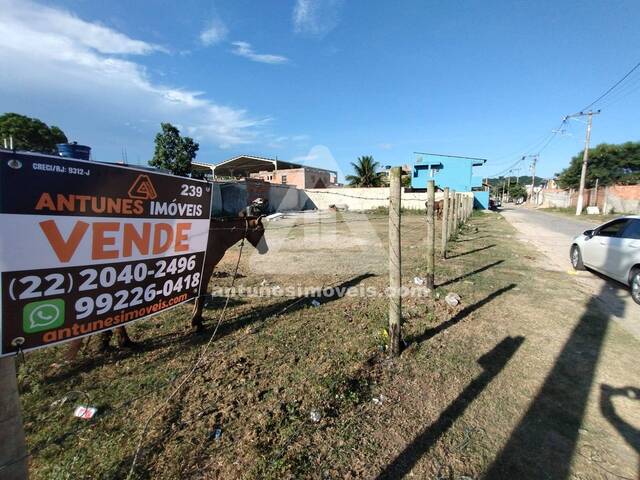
610,89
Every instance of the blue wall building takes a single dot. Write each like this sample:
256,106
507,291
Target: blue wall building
450,171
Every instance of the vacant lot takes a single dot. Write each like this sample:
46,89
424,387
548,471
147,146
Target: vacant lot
525,379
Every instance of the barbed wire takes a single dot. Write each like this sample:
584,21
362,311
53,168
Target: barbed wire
353,196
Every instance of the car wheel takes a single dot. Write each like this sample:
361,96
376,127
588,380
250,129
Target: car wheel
635,286
576,258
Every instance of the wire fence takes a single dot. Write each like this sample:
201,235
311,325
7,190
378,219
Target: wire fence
180,379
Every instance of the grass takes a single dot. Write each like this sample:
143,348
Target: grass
571,212
276,361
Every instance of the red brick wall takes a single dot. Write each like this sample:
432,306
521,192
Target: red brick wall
626,192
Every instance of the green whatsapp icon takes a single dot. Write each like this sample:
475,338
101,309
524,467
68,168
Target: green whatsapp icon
43,315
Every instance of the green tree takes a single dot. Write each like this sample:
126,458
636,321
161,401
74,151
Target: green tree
517,190
30,134
607,162
174,152
365,173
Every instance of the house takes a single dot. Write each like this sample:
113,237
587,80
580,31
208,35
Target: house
386,171
451,171
268,170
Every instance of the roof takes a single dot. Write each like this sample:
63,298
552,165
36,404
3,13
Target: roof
243,165
477,162
201,166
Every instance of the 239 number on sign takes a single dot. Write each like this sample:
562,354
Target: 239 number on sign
190,191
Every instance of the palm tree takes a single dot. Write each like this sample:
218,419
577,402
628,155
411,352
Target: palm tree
366,175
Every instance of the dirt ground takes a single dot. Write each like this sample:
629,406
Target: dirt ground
526,378
552,236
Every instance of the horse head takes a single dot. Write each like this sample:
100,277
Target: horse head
255,234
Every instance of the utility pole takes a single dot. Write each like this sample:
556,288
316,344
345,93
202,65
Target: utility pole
533,173
533,177
585,156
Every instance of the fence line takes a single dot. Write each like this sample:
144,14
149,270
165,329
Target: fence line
460,220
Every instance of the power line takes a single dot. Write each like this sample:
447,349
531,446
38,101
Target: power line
626,90
612,87
621,93
543,145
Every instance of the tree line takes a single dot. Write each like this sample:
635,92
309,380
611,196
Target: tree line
608,163
173,152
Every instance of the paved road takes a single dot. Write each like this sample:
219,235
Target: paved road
552,235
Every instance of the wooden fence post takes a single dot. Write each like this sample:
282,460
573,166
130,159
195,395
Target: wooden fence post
445,222
464,209
13,451
431,233
395,271
456,218
467,212
452,215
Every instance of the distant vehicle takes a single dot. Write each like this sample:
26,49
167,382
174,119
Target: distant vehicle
612,249
494,204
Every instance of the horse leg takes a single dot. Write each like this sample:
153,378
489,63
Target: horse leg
105,338
73,349
123,338
196,314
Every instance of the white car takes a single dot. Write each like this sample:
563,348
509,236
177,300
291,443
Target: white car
612,249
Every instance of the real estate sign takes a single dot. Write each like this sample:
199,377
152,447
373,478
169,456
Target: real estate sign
86,247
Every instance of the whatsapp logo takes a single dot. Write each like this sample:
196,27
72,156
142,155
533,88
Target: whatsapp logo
43,315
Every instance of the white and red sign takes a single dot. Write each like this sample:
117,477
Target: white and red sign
85,246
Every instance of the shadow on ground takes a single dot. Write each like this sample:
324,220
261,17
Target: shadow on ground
461,315
181,340
475,250
492,362
469,274
543,444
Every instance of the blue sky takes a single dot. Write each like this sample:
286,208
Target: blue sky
480,78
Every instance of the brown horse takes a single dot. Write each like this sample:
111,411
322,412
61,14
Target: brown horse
438,207
223,234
